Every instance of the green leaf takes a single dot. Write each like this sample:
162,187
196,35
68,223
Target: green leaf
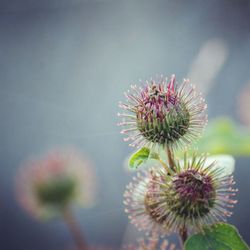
220,236
141,156
224,136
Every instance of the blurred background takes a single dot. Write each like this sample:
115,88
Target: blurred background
64,65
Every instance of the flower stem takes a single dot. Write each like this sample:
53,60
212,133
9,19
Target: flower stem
183,235
164,165
74,229
171,159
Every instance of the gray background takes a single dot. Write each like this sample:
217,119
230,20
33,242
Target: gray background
63,68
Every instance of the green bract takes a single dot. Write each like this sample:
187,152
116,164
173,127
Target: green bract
166,130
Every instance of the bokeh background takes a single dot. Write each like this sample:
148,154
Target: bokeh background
64,65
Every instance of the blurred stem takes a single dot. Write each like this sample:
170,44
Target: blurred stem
74,229
183,235
171,159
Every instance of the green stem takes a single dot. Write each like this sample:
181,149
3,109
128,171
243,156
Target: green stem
74,229
171,159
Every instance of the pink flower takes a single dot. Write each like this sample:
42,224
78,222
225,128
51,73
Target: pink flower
163,113
62,178
198,193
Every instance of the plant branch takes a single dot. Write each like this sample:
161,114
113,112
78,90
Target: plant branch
171,159
183,235
74,229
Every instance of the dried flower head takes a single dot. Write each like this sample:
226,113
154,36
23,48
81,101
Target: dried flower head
163,113
196,194
152,243
47,185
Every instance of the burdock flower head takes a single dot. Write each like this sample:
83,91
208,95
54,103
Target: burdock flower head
163,113
137,199
198,193
47,186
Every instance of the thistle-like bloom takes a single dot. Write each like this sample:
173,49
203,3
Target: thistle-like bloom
46,186
163,113
152,243
138,203
198,193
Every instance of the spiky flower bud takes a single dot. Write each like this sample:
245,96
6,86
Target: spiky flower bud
138,204
48,185
196,194
163,113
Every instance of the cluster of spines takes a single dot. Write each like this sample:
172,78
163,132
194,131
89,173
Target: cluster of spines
177,213
137,206
174,121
